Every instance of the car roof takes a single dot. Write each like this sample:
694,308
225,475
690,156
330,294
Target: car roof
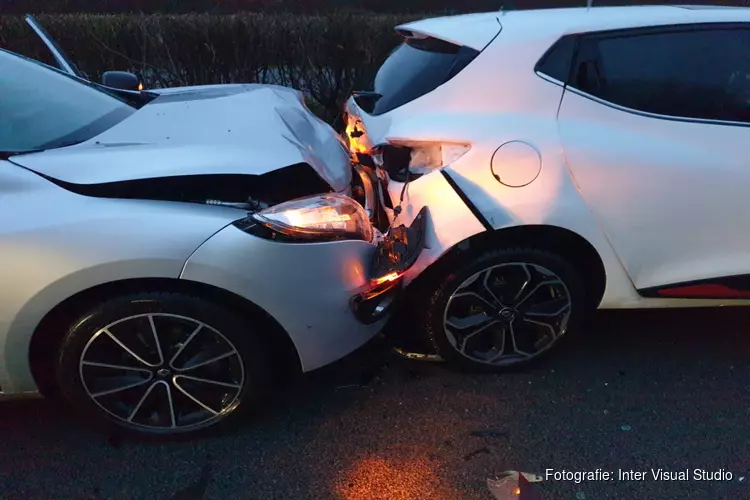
582,19
473,29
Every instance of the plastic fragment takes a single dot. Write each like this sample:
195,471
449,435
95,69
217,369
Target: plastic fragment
514,485
493,433
625,427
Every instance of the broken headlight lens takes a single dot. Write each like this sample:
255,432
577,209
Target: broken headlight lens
318,218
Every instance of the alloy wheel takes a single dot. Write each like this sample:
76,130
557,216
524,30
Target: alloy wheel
162,372
508,313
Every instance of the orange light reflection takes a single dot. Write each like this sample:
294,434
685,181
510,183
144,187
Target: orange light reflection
388,277
375,478
355,146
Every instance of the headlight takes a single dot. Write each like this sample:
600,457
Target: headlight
318,218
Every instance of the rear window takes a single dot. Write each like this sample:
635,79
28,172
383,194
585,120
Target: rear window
416,67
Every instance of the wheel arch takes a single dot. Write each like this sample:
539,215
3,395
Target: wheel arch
48,335
568,244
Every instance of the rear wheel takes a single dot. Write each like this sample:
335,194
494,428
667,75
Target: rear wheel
504,309
161,365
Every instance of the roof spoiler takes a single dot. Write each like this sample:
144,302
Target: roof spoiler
475,31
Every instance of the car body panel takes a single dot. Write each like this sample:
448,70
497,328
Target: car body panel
684,185
204,131
551,199
498,98
54,244
306,288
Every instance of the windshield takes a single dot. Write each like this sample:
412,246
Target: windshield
44,108
415,68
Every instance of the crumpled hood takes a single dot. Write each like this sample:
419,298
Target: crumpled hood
217,129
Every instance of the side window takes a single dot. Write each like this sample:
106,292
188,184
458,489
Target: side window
556,62
701,73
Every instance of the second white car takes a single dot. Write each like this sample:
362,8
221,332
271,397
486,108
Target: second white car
571,159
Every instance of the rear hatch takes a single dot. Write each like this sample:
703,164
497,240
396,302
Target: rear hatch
432,52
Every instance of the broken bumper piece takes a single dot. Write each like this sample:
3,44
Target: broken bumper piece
395,254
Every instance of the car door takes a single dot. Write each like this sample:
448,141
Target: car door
655,125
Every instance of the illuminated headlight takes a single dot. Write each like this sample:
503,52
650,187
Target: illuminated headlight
318,218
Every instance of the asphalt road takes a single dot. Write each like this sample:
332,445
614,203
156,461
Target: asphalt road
665,390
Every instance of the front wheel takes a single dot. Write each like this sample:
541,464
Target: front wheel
161,365
504,309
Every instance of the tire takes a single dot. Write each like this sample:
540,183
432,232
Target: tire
111,371
505,325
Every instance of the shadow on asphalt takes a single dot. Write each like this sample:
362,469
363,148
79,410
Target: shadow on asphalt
641,389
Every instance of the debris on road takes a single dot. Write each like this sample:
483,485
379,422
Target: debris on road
484,450
433,358
197,490
514,485
493,433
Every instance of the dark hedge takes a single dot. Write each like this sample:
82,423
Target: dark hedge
302,6
265,6
324,56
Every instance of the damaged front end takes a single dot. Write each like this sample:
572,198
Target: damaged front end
396,253
337,217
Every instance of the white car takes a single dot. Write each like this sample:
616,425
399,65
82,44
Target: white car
164,256
571,159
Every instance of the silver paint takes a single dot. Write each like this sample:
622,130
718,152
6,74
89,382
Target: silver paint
244,129
305,287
